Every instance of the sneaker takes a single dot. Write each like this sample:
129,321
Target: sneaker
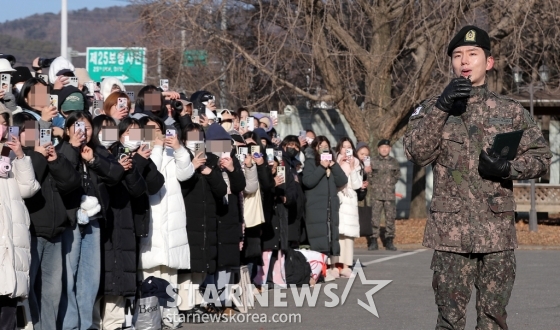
347,273
329,277
333,272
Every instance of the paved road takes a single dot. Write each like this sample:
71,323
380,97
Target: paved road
408,301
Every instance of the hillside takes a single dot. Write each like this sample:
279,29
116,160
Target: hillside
39,35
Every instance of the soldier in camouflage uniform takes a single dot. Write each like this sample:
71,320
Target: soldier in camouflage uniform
385,173
471,221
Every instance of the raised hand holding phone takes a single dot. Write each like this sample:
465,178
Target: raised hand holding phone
199,160
144,152
14,144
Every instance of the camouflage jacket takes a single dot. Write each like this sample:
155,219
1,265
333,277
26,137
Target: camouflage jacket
385,173
469,213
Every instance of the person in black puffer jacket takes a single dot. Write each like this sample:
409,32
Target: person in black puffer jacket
49,219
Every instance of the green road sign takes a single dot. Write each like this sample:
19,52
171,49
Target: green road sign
195,57
127,64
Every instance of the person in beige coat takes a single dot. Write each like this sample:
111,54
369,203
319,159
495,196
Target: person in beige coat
17,181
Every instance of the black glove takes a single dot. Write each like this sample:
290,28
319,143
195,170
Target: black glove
457,88
491,165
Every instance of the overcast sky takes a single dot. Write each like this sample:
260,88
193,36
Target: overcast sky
12,10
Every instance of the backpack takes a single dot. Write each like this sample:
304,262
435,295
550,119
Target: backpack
297,268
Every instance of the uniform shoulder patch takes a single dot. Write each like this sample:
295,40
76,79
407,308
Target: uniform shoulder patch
424,107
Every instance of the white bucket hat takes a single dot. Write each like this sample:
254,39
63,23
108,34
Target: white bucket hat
5,65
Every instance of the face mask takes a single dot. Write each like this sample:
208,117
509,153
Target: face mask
323,150
106,144
291,152
191,145
131,145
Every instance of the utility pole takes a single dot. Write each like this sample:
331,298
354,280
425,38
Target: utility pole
223,87
64,29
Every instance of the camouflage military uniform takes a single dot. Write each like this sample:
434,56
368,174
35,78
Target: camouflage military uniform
382,179
471,221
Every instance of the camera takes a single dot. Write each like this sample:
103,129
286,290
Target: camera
5,166
45,62
176,105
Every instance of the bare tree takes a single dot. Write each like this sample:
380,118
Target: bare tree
374,60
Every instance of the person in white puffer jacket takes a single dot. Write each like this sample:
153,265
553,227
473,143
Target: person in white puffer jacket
16,183
349,221
166,248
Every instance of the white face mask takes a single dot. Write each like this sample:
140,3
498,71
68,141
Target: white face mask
106,144
19,86
191,145
131,145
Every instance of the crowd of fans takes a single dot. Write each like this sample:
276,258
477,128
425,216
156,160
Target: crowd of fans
102,189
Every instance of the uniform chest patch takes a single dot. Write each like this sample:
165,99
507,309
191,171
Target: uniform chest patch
500,121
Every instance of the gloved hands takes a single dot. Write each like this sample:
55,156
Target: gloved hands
491,165
458,88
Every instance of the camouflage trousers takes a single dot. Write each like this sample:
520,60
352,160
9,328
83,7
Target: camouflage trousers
390,209
492,274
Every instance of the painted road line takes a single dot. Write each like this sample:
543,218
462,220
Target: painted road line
393,257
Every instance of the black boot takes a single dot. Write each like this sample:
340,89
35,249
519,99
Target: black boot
389,244
373,244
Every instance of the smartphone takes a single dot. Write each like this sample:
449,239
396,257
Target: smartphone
281,171
91,88
130,95
241,158
349,152
278,154
243,151
45,136
80,125
45,77
326,156
14,131
122,103
164,84
53,100
73,81
273,114
367,161
5,84
199,148
195,117
242,124
250,124
97,108
302,133
255,150
270,154
169,132
225,155
147,146
123,152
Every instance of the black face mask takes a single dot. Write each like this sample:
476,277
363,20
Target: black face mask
291,152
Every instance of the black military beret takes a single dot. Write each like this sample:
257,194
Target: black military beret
469,35
384,143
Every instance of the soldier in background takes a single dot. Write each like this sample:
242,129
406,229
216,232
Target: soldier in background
385,173
471,221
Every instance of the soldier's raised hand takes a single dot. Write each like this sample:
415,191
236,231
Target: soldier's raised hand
458,88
